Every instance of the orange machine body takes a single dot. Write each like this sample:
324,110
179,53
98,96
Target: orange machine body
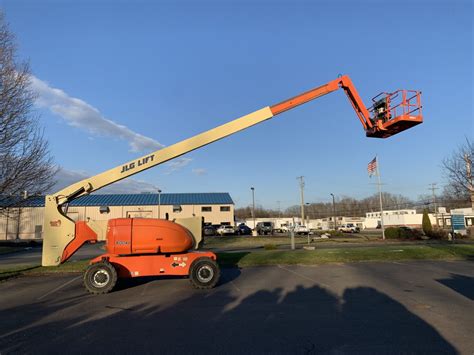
126,236
142,247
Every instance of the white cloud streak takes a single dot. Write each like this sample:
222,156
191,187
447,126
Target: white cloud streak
177,164
200,171
80,114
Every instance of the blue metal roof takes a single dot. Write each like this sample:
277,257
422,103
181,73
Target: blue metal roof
208,198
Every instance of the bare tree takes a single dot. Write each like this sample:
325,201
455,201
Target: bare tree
458,171
25,161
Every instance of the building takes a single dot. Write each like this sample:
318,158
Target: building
395,218
25,219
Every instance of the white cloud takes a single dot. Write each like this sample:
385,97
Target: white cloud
177,164
80,114
200,171
127,186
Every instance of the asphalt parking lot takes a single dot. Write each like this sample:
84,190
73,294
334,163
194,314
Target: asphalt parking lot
374,307
32,256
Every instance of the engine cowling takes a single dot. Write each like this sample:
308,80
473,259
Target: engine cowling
127,236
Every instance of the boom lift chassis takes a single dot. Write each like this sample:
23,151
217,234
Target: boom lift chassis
389,114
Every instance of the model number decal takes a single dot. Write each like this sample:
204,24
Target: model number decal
139,162
121,242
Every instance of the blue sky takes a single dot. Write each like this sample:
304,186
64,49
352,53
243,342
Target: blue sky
163,71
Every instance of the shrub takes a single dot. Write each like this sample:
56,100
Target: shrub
270,246
403,233
426,223
392,233
437,234
335,233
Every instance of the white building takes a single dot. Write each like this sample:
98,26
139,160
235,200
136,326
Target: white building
393,218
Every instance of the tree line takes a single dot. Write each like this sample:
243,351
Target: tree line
351,207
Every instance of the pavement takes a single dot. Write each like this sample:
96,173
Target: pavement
369,307
32,256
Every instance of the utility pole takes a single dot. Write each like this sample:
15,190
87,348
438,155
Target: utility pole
253,207
334,211
159,203
433,188
379,184
301,178
307,224
279,209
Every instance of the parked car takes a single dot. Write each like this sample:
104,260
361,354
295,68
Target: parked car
225,230
302,230
282,229
264,228
242,229
208,230
349,228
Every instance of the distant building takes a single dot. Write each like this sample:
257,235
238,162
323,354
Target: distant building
394,218
25,219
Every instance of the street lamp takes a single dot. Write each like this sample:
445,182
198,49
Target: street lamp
159,203
307,224
253,206
334,211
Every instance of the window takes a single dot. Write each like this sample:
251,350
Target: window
206,209
225,208
177,208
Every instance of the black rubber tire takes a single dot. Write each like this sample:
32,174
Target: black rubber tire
100,278
204,273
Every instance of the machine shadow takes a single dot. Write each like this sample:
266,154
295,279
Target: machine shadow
304,320
228,274
462,284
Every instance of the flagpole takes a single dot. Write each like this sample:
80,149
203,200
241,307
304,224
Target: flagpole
380,197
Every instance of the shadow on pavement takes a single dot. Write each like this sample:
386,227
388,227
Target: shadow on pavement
305,320
227,275
462,284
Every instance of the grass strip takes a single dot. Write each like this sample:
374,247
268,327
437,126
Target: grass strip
6,250
341,255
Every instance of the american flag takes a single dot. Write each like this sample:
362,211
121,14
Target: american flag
372,167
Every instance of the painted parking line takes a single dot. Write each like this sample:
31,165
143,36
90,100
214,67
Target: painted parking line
304,276
59,287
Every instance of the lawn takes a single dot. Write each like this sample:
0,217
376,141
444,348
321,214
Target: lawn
259,242
342,255
6,250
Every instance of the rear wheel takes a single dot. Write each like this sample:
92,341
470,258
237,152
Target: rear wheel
204,273
100,277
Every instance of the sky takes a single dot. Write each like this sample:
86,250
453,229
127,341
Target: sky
118,79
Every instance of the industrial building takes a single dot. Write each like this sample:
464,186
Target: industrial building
25,219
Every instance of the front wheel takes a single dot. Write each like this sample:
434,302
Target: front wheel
100,278
204,273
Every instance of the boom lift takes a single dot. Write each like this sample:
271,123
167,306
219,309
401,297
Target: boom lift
144,247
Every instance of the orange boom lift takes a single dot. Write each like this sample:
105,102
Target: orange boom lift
145,247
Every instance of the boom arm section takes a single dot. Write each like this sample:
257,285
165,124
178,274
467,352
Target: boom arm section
59,230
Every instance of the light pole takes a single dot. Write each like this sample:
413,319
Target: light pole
307,215
159,203
334,211
253,206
